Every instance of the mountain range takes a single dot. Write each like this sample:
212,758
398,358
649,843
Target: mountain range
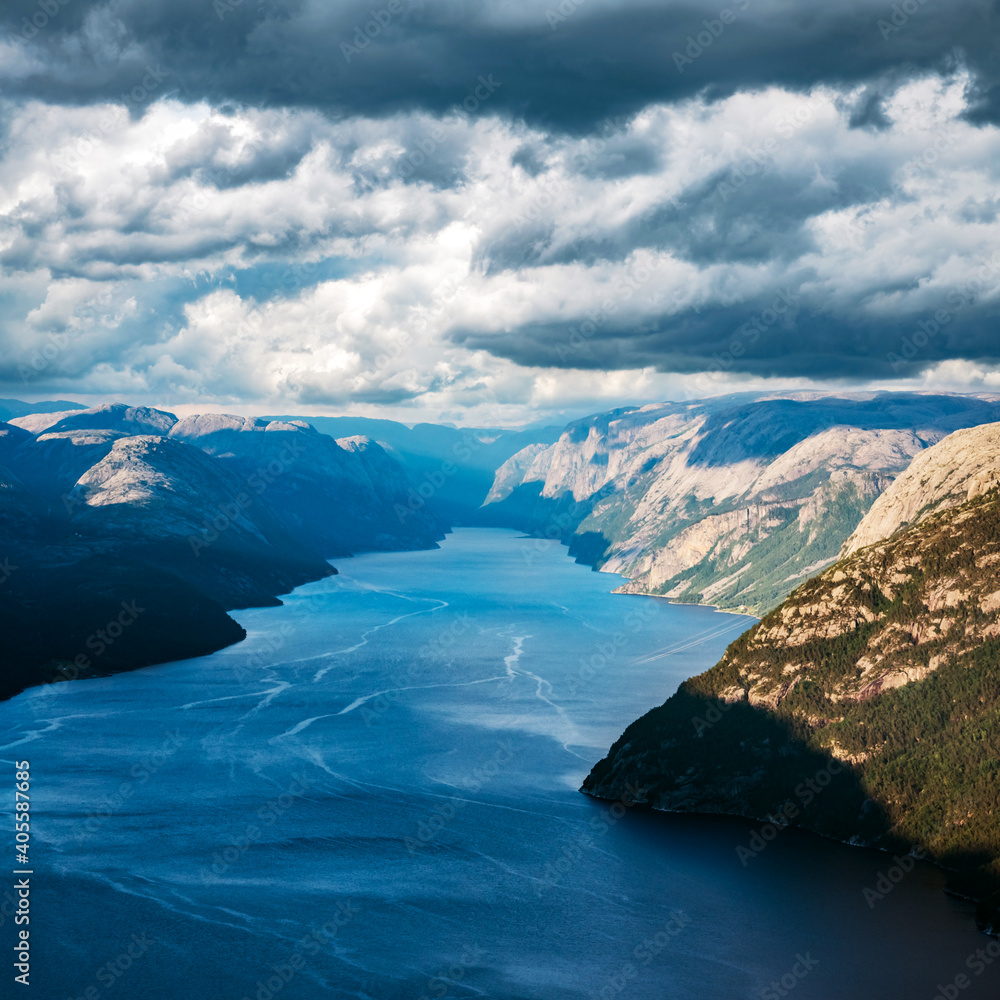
118,506
731,501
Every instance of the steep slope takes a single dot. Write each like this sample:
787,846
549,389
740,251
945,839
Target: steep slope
69,613
729,501
866,707
170,505
114,507
964,465
339,497
96,521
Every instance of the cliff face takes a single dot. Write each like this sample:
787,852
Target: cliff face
730,501
963,466
882,674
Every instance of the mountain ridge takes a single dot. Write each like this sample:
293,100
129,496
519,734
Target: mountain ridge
728,501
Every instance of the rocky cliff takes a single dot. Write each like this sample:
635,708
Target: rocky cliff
963,466
730,501
881,675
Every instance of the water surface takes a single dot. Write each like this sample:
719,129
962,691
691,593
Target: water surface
375,795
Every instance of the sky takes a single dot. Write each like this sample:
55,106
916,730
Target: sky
495,213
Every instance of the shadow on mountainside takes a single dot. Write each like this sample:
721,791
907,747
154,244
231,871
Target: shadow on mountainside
700,754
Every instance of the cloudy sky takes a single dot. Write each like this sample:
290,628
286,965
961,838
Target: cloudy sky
495,212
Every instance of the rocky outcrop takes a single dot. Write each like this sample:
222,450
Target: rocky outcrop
730,501
964,465
117,417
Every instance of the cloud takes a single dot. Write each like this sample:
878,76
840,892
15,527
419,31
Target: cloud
438,256
565,64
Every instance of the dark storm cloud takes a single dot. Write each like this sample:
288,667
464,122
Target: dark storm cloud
563,65
772,337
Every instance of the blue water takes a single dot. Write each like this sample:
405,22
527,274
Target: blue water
375,795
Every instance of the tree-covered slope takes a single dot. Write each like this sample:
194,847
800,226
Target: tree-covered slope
869,700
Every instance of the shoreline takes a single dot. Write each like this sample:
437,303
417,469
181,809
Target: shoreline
990,929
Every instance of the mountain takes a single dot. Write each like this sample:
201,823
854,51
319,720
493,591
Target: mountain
729,501
452,468
10,408
173,506
963,466
118,418
339,496
124,520
867,706
57,448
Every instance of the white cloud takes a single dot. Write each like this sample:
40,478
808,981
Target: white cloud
283,260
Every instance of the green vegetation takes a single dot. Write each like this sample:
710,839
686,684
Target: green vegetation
887,664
